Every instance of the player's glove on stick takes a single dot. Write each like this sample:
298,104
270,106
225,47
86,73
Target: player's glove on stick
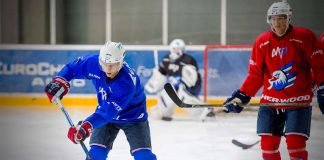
58,87
320,97
80,133
236,102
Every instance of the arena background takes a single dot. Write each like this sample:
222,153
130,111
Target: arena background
37,37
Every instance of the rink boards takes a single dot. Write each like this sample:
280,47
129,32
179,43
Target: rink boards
26,69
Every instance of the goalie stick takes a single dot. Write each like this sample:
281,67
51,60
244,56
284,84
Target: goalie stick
175,98
243,145
58,102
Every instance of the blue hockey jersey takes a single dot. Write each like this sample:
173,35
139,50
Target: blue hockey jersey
120,100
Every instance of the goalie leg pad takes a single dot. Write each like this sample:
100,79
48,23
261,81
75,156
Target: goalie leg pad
98,152
144,154
270,147
164,108
296,145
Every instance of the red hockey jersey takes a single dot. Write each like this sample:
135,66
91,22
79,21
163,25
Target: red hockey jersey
284,66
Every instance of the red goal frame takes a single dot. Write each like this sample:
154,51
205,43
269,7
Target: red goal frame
210,47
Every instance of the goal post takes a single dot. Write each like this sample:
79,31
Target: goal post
225,67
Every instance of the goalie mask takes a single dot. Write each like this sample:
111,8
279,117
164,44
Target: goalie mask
111,58
177,48
279,9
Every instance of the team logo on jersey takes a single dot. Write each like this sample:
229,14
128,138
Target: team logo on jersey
103,93
283,78
173,67
279,52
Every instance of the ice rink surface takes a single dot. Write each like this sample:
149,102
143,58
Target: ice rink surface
40,134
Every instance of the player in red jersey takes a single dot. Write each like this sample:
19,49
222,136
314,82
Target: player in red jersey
282,61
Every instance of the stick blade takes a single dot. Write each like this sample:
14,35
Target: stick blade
242,145
173,95
175,98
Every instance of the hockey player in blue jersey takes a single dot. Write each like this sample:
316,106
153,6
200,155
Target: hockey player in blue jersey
121,102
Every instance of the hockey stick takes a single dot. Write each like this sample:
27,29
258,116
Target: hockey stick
243,145
58,102
175,98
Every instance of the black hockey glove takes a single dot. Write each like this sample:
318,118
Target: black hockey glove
320,97
58,87
236,102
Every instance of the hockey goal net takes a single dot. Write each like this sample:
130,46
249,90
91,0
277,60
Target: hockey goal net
225,68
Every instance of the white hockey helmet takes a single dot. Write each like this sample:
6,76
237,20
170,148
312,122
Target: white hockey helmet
279,8
112,52
177,48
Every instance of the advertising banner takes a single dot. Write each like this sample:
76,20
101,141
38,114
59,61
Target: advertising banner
29,70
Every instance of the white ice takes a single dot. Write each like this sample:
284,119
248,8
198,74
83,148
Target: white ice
40,134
